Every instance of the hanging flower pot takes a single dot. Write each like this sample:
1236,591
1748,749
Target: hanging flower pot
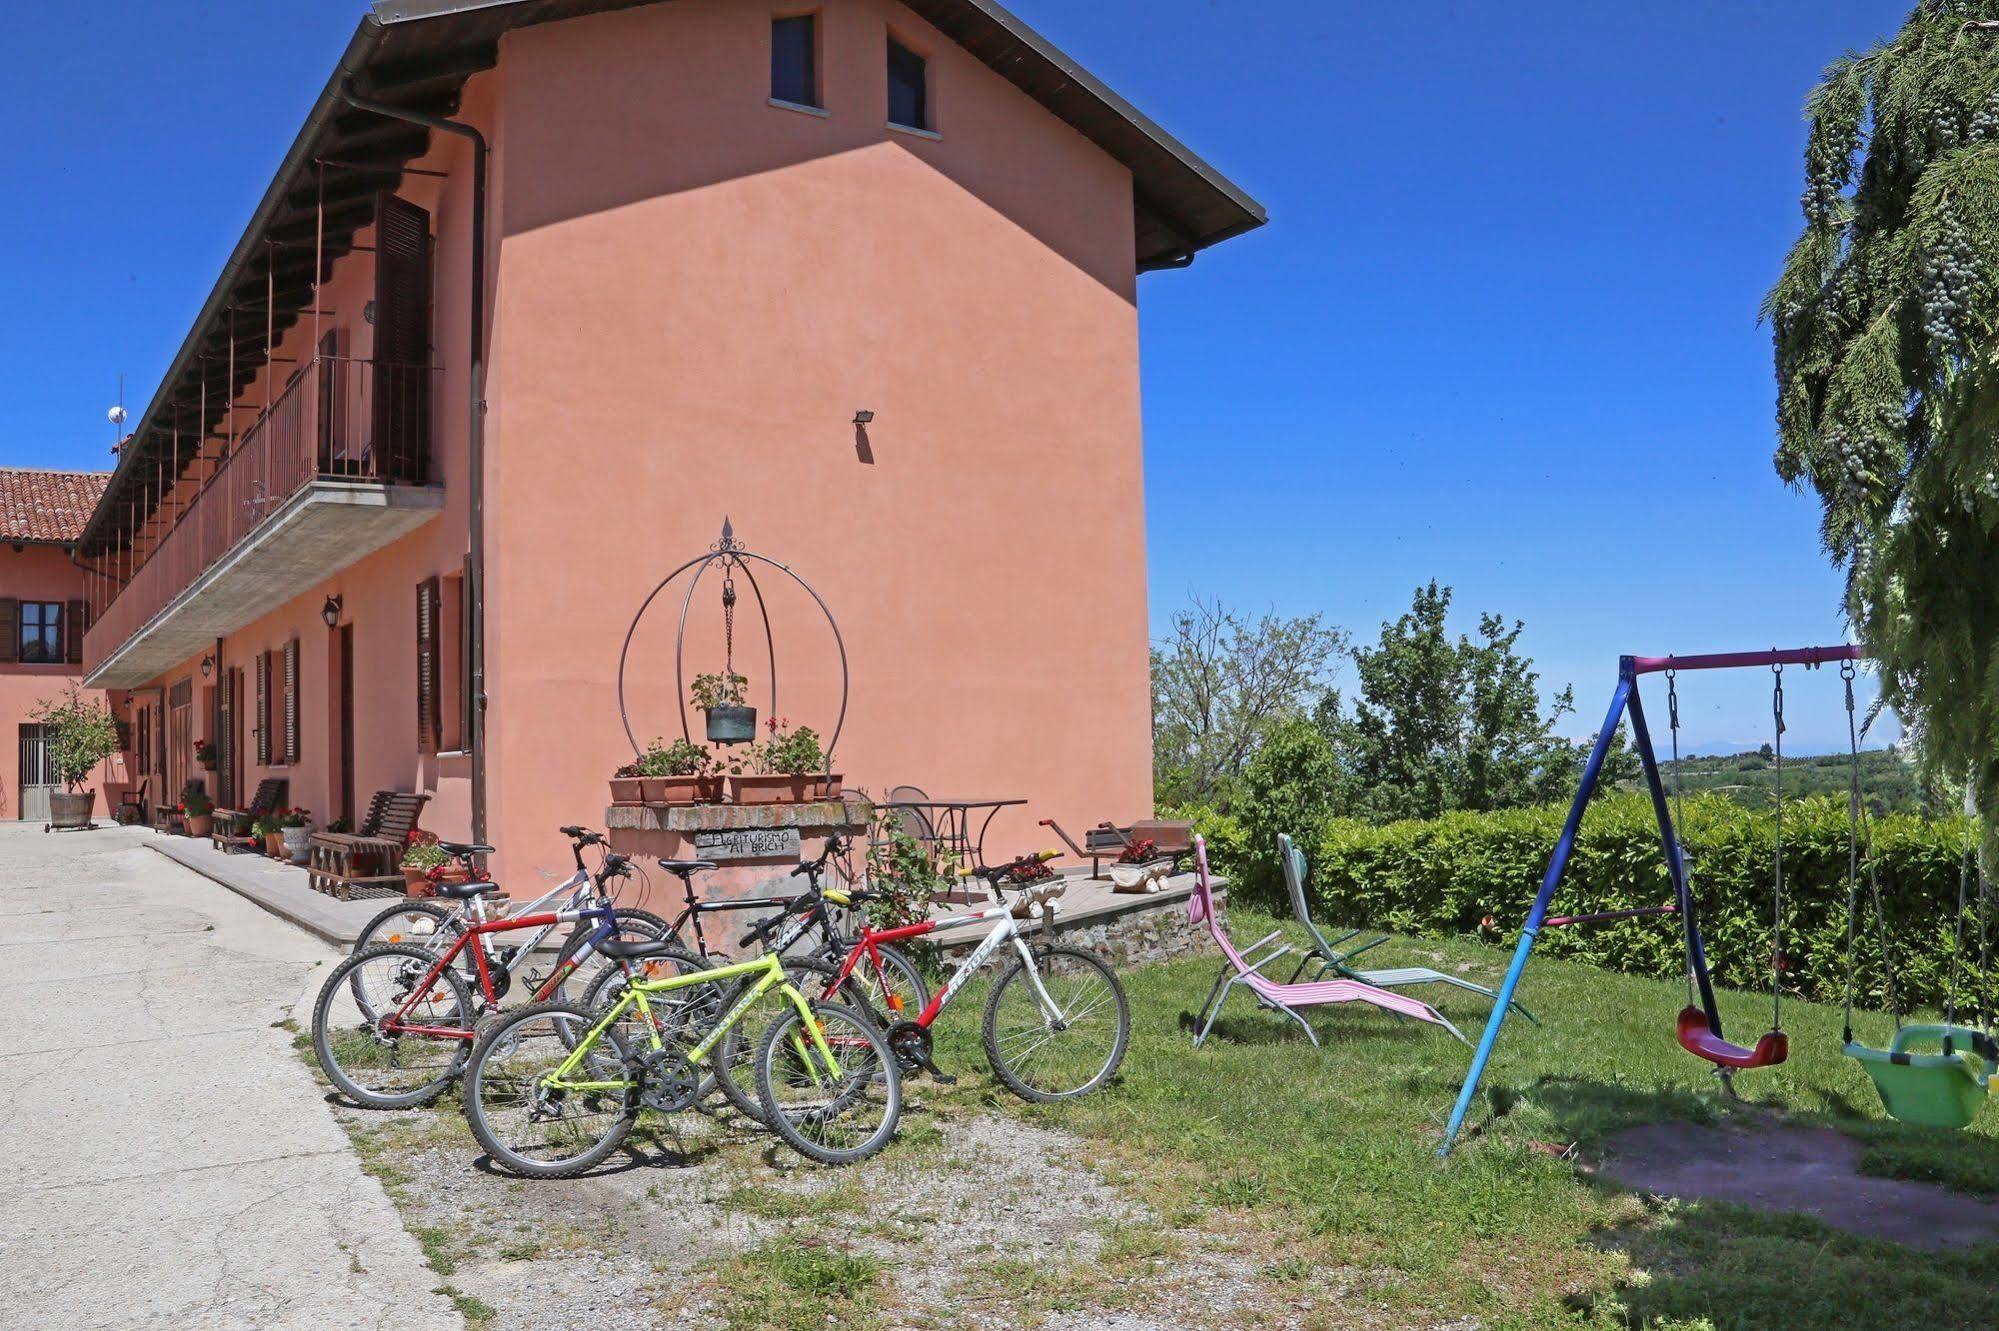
731,724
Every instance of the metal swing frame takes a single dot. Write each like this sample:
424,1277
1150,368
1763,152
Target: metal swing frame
1625,701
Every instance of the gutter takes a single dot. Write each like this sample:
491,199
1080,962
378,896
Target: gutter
475,376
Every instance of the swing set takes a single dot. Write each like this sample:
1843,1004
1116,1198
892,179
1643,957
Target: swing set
1939,1089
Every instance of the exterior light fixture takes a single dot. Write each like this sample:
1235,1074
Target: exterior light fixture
207,666
864,418
330,612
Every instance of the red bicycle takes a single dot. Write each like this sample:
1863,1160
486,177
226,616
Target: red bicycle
394,1024
1056,1023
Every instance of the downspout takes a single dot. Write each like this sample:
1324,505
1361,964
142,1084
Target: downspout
475,578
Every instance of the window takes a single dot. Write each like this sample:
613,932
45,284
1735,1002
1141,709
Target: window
41,632
908,87
794,60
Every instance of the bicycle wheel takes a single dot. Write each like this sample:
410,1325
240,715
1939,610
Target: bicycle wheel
836,1115
1040,1056
890,993
380,1067
735,1058
424,924
531,1128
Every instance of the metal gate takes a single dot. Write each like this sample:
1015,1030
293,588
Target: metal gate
38,775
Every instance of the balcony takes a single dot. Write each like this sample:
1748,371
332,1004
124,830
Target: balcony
337,468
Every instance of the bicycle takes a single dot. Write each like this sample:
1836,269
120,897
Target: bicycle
433,926
892,984
1052,1000
393,1024
547,1104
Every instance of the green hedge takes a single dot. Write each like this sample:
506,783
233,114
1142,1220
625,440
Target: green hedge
1447,876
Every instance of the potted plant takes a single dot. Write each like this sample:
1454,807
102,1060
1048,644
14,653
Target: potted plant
81,734
205,755
270,829
627,787
422,864
296,825
720,696
197,811
787,768
679,773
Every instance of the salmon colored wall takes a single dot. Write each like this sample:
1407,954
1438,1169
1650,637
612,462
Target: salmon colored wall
696,293
39,573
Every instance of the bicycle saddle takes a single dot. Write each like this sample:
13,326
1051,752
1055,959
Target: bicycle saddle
460,850
686,867
466,891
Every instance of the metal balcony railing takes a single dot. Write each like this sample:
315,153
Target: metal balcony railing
357,421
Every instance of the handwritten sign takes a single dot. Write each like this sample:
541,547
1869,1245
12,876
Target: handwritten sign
748,843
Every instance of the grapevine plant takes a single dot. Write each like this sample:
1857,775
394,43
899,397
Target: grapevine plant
1888,373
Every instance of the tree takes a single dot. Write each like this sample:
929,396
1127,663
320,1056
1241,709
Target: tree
1442,723
1219,686
81,734
1887,383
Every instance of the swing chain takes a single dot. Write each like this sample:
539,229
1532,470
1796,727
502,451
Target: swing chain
1680,815
1777,883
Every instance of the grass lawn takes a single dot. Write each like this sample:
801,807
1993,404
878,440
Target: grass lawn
1323,1161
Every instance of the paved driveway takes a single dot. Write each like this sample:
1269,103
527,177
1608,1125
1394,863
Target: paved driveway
168,1161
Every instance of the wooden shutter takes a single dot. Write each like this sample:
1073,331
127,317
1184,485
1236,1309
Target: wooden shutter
426,666
10,629
402,340
262,715
291,703
73,626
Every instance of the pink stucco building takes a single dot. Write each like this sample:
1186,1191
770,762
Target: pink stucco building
544,291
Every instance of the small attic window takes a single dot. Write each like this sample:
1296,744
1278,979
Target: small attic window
794,60
908,87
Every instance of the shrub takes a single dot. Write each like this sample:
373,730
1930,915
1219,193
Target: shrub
1444,877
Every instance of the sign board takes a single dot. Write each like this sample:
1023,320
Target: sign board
747,843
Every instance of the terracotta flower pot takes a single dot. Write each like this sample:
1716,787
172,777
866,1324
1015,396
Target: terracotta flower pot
416,883
772,789
671,790
627,790
200,825
274,843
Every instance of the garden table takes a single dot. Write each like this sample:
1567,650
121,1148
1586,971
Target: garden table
951,819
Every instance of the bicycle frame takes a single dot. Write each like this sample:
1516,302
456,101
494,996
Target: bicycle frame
607,928
769,973
1006,931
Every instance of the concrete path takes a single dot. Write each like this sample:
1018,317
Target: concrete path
169,1161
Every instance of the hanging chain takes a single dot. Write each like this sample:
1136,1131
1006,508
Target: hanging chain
1777,887
729,629
1963,893
1984,940
1686,903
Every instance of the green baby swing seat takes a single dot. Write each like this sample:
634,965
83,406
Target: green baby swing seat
1941,1089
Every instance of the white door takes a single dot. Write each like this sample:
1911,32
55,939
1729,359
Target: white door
37,775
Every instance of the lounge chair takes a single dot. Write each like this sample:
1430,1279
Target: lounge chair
1326,956
366,862
1240,970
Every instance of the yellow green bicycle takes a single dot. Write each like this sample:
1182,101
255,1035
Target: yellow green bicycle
553,1089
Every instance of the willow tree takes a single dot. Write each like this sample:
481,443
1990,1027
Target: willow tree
1887,347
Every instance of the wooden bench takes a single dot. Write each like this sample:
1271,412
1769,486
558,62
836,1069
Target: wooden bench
232,826
367,862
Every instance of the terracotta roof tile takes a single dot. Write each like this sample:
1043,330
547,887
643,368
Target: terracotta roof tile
48,505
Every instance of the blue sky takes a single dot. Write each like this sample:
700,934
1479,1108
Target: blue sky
1501,331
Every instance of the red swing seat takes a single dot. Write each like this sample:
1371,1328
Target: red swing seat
1697,1039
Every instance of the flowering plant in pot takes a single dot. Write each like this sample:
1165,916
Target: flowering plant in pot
423,864
270,829
205,755
197,811
295,827
720,696
682,772
788,767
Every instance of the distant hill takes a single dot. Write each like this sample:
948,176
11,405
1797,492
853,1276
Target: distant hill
1888,780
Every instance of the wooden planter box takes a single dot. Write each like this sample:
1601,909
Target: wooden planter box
784,789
